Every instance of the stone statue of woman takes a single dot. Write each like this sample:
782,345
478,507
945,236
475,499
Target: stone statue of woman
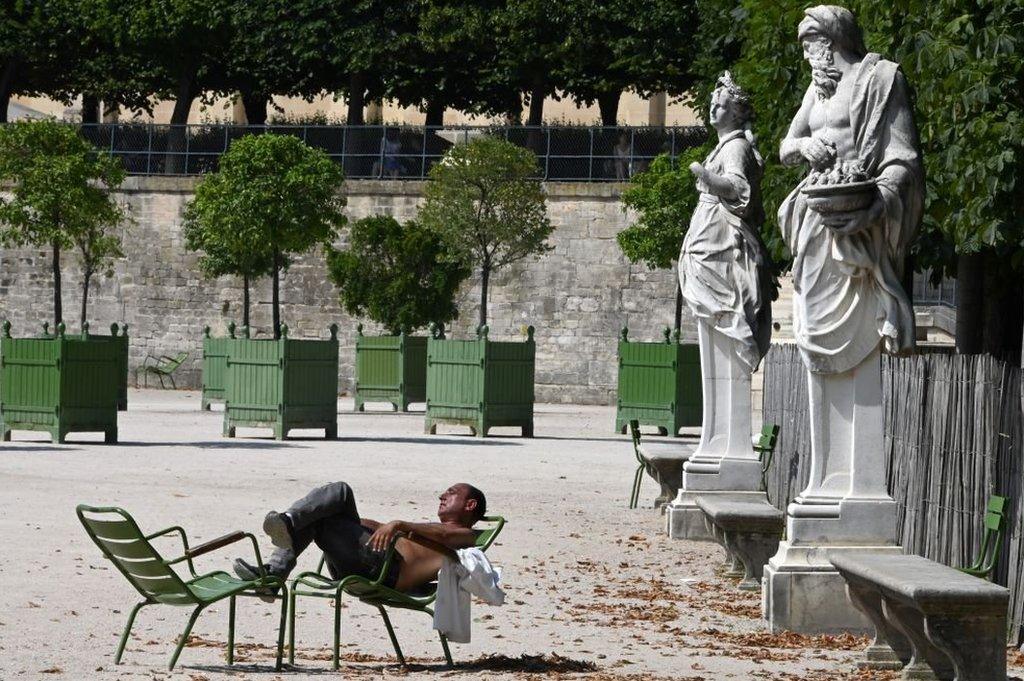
726,281
725,274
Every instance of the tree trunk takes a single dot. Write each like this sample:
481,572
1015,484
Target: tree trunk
86,279
275,299
536,116
435,114
678,324
58,312
969,303
245,300
485,278
1002,321
7,74
90,109
255,104
176,161
608,103
356,99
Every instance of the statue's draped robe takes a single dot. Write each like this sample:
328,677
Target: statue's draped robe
848,290
724,272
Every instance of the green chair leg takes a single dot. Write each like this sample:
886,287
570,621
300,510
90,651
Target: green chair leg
391,633
291,626
231,631
127,631
634,495
184,636
336,657
280,628
447,653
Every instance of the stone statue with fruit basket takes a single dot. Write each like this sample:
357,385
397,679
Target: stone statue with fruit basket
848,225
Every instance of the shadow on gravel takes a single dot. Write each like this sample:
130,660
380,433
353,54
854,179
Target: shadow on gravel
467,439
358,665
46,447
218,444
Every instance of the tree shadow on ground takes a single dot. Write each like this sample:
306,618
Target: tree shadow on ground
434,440
217,444
45,447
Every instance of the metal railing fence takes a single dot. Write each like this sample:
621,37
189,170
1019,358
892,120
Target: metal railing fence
578,154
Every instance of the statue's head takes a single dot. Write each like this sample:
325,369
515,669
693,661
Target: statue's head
730,105
824,31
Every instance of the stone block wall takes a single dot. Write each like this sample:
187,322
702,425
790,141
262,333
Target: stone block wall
578,296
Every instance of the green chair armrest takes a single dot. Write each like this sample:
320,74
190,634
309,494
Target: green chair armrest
184,543
219,543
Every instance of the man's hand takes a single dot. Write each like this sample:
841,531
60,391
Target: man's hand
697,169
819,154
381,539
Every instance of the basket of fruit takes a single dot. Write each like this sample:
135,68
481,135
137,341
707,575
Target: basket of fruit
843,189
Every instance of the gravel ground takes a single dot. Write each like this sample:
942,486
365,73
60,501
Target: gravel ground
595,591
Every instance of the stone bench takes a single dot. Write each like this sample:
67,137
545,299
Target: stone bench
665,464
934,621
749,531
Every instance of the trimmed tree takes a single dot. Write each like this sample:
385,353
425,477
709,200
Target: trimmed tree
397,275
60,198
486,204
663,198
277,197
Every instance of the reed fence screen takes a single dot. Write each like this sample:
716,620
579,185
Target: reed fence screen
954,429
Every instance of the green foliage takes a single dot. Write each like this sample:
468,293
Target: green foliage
397,275
485,202
272,197
60,195
664,196
965,63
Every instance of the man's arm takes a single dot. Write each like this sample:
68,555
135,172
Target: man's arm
450,536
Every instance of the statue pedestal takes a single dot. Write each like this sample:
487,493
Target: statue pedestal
724,462
801,590
846,506
738,479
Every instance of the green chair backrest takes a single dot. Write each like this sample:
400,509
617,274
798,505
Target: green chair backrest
489,534
769,436
119,538
994,525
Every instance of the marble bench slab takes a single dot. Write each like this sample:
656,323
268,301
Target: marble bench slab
748,530
665,464
933,620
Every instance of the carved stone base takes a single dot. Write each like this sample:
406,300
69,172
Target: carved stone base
802,592
685,520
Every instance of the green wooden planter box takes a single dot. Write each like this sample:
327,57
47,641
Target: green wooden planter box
282,384
121,341
215,366
480,383
60,384
659,384
390,369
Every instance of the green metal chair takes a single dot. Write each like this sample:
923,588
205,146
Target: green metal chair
634,431
162,367
118,536
765,447
319,584
992,541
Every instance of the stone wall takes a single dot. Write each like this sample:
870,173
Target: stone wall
578,296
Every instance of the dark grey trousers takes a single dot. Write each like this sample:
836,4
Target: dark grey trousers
328,517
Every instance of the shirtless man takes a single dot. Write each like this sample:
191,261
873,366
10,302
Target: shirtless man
328,517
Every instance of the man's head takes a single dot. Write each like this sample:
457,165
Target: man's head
462,503
824,31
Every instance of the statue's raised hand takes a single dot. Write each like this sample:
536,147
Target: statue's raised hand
821,154
697,169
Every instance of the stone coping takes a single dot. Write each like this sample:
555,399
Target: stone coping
187,184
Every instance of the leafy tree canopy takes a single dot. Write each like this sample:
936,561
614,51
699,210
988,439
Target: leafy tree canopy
397,275
485,202
60,194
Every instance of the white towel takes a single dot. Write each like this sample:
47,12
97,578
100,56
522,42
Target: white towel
456,582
